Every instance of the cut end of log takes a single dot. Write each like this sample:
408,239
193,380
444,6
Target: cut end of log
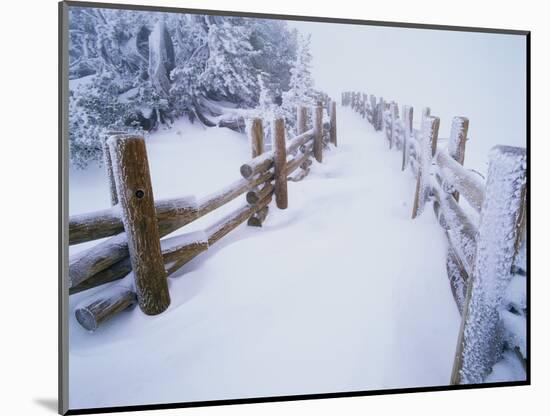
86,319
258,218
246,171
103,306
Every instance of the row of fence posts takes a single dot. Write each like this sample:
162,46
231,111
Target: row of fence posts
493,247
281,177
126,162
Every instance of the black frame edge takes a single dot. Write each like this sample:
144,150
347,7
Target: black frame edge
165,406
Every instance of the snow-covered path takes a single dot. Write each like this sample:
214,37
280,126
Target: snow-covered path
340,292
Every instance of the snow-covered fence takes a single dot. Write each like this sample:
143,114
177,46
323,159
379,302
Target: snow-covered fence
484,242
134,228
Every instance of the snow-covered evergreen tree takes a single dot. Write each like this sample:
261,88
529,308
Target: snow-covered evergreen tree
137,70
300,92
229,73
267,110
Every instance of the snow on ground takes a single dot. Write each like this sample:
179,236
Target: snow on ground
340,292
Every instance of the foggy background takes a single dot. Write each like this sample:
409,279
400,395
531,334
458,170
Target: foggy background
477,75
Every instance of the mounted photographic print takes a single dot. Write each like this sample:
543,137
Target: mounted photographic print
265,208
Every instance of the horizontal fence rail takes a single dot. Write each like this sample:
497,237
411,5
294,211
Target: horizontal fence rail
482,251
135,249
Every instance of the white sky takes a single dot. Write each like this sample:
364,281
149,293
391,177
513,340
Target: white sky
478,75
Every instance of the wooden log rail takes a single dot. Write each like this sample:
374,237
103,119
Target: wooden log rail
481,251
264,161
99,308
85,265
464,182
121,254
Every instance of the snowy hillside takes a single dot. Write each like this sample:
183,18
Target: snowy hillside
325,287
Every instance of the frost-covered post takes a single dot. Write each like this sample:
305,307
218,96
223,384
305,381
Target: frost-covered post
301,119
109,165
428,143
457,141
407,131
257,137
480,340
425,113
333,138
281,193
318,134
393,120
135,193
371,109
379,115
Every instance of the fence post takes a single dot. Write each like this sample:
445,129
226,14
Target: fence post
301,118
318,134
428,143
480,340
425,113
379,125
281,193
373,104
333,138
407,129
393,117
257,137
109,165
457,141
135,193
257,140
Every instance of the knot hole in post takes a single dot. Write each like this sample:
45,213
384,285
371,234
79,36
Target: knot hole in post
140,194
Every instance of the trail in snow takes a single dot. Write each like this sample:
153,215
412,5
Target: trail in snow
340,292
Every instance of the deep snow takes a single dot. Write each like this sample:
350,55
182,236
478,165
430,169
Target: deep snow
340,292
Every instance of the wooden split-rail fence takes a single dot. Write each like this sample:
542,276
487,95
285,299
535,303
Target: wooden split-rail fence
484,239
136,224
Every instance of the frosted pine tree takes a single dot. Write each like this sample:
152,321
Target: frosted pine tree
300,91
134,70
266,110
191,56
229,73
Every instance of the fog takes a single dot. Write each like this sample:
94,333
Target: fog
478,75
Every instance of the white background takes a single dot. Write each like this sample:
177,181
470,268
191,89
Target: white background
28,137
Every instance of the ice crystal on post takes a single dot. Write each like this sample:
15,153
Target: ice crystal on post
496,248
